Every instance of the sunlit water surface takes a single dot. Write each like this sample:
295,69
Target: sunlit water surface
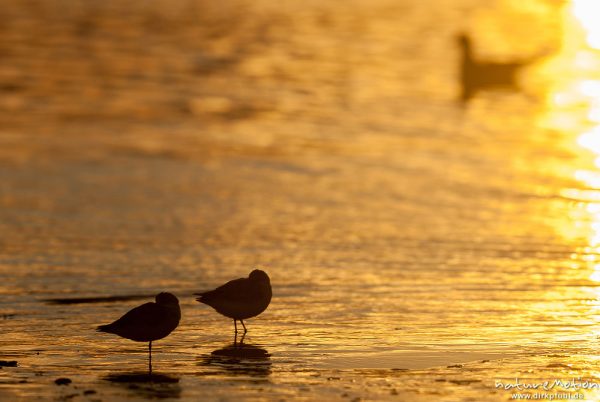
418,250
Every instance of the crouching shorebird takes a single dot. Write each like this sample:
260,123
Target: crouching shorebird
148,322
240,298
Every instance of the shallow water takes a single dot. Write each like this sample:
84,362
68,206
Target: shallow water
418,250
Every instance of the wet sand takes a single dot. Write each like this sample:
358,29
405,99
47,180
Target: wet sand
418,249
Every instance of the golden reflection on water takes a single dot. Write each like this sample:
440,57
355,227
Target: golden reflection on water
358,196
574,107
586,12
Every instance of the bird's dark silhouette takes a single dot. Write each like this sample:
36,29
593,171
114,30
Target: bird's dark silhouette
148,322
480,75
240,299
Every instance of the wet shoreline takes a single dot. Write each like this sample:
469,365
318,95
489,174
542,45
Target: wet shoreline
419,248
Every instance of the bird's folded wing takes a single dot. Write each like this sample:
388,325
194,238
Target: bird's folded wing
236,290
144,315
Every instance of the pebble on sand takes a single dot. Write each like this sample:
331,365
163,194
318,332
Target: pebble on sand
62,381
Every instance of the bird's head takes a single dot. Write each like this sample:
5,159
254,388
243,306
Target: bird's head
463,40
259,276
166,298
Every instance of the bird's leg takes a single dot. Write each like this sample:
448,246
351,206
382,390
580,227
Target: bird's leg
150,358
242,339
245,330
235,333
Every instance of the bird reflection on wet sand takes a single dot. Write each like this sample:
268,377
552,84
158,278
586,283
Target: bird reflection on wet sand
240,359
150,386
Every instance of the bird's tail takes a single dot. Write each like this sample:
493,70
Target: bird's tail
103,328
200,297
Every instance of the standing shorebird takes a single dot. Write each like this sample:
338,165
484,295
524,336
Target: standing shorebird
148,322
240,298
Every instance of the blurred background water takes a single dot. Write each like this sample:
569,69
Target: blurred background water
418,248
